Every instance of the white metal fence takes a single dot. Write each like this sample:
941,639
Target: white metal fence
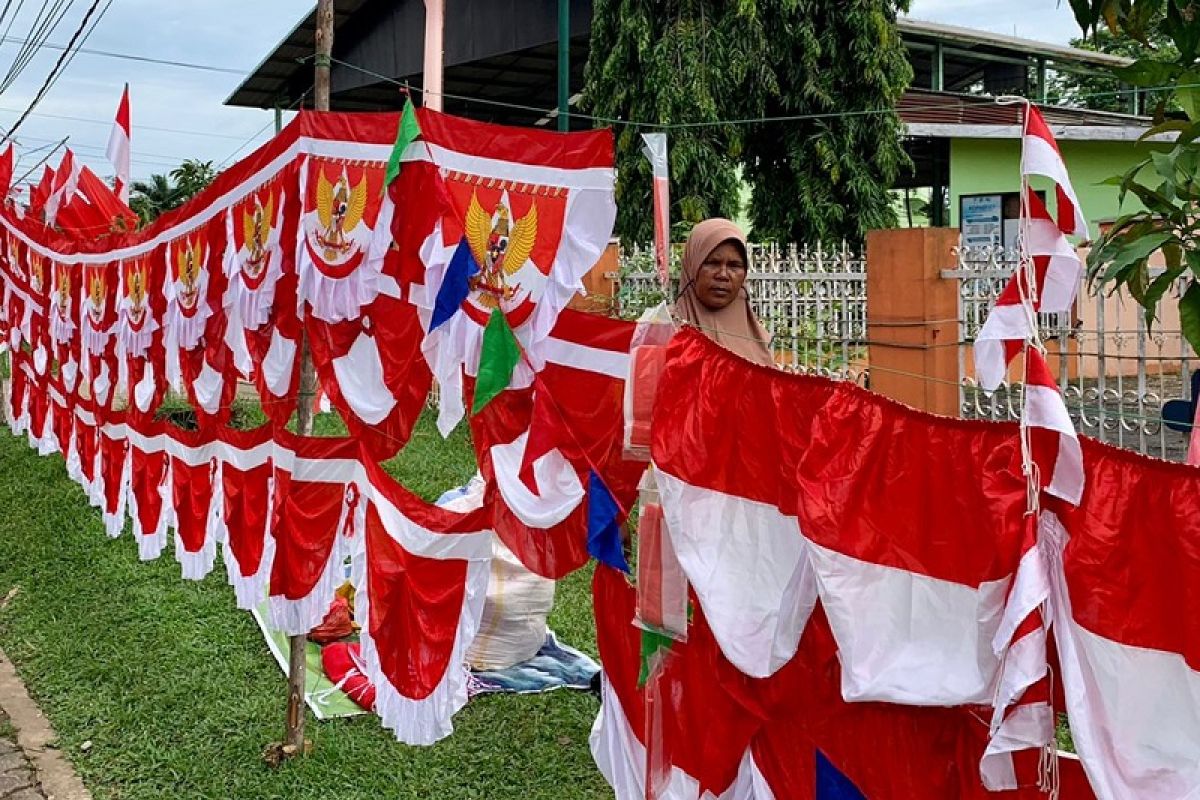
813,300
1114,371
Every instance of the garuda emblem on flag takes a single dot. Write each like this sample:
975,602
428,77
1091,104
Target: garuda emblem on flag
137,322
254,256
339,268
187,288
62,323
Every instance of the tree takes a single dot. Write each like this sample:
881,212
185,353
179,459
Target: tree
1102,91
1167,183
193,175
162,193
692,66
828,177
154,197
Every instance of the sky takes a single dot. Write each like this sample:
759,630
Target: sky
178,112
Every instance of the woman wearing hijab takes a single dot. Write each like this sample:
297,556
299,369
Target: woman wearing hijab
714,299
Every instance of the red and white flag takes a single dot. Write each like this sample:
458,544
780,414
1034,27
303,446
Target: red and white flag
66,181
119,147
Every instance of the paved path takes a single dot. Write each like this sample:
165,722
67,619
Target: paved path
31,768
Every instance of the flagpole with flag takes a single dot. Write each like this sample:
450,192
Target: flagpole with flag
119,148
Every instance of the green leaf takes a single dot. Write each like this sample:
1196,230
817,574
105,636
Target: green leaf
1164,165
1130,252
1193,261
1165,127
1189,315
1188,94
1147,72
1139,18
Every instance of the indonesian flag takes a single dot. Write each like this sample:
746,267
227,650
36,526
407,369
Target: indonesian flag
1127,623
6,172
318,506
66,181
497,219
119,148
245,494
422,575
40,193
113,473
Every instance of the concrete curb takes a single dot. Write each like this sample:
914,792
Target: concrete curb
35,737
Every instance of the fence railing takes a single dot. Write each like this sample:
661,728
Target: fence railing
813,300
1114,371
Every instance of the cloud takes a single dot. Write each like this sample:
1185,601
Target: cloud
1042,20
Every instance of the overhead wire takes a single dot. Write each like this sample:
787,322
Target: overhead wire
299,100
44,24
166,62
54,71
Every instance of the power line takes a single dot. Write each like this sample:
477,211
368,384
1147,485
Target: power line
134,57
109,122
261,130
45,158
39,31
58,65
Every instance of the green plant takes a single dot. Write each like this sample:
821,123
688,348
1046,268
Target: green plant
1167,183
706,71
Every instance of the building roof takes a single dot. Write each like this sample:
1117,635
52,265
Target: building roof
504,51
1063,55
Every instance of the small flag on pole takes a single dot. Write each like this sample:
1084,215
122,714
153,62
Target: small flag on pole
406,134
119,147
498,357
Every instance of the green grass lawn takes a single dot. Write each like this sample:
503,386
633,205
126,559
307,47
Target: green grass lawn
178,695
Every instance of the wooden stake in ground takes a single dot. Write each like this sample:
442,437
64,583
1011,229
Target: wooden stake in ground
294,743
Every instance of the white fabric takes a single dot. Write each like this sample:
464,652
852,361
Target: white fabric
1027,723
40,359
1039,157
252,307
425,721
143,392
337,299
749,567
559,487
621,759
1134,711
197,565
512,627
277,366
360,377
933,647
208,387
1061,282
1002,323
185,330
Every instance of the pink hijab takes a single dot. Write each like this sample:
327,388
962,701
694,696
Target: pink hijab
734,327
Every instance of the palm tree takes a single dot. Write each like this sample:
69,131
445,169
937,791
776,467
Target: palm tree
162,193
154,197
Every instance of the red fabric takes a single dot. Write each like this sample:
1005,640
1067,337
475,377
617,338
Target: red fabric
191,492
284,320
86,443
871,462
523,145
336,625
648,364
113,452
338,660
147,473
305,523
1126,584
246,502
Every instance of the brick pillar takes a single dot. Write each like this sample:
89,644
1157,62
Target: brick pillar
600,284
912,317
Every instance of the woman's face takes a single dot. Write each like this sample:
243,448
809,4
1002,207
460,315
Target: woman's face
721,276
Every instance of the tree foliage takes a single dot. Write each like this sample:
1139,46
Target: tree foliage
1167,183
691,66
151,198
1103,91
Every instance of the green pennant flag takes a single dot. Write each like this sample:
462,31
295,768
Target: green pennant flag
498,358
408,131
653,643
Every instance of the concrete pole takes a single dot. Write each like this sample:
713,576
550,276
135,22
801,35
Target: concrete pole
435,11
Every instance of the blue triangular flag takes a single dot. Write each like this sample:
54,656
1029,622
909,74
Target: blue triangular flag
455,286
832,784
604,525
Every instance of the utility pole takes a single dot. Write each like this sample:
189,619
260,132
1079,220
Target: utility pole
294,743
564,64
435,15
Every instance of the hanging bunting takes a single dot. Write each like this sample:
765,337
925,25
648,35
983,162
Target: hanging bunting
534,209
338,256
